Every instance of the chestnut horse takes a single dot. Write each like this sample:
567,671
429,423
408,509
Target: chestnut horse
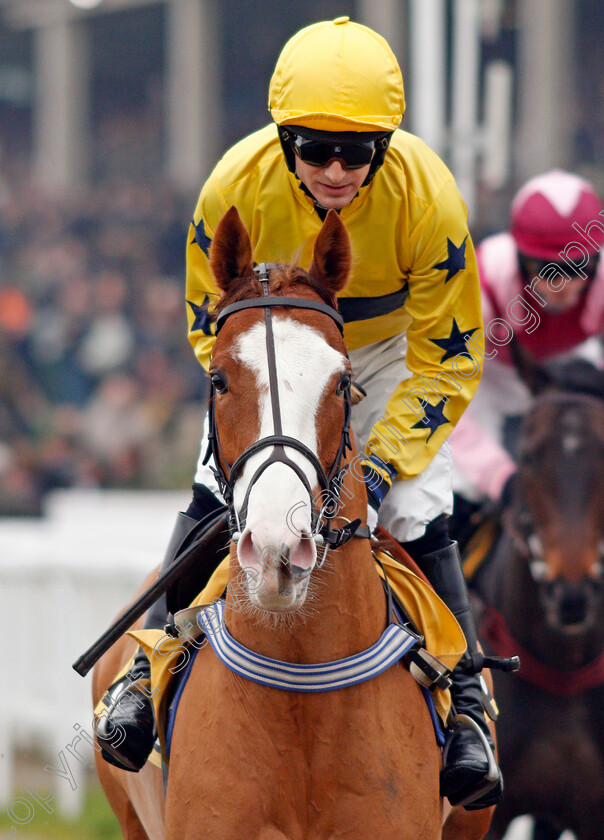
248,760
542,596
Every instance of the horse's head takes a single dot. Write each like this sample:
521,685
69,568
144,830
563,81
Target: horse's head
558,513
281,400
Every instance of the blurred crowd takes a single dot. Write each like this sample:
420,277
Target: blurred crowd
98,384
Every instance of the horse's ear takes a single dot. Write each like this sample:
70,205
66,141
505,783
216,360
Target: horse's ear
231,252
332,257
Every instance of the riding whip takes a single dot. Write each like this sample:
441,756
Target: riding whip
184,561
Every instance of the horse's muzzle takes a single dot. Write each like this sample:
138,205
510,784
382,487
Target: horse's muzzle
277,576
571,606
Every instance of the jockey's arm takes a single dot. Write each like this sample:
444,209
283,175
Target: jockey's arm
201,290
445,338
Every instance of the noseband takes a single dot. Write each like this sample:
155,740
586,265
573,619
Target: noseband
330,480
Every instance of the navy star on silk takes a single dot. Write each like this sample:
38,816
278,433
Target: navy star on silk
455,343
202,318
202,239
456,259
433,419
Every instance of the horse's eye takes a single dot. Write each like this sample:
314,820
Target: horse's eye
343,384
219,382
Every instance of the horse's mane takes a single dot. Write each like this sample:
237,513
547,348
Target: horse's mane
283,281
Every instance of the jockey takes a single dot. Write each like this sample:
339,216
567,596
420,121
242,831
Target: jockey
336,99
542,286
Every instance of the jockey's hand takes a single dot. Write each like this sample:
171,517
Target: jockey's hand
377,484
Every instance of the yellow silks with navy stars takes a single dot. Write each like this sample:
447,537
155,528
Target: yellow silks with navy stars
414,271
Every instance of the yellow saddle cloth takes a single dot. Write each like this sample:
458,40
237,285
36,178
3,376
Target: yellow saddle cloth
443,635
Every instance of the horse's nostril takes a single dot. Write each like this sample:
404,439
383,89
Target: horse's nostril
573,607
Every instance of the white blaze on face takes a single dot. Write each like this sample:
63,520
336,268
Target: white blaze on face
305,364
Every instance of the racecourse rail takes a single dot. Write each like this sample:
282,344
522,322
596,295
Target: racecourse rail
63,578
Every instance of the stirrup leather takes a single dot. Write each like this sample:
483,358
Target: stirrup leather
428,670
492,776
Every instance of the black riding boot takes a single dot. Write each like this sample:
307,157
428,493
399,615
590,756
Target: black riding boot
126,730
470,776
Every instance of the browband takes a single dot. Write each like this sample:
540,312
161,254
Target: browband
298,303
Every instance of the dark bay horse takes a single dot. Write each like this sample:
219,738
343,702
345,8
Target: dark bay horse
541,597
248,760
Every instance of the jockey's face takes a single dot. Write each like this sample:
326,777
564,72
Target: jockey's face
333,185
563,299
560,296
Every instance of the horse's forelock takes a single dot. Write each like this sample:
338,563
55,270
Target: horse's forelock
296,277
249,288
284,281
560,465
554,414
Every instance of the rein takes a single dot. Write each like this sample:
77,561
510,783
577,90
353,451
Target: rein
562,683
331,480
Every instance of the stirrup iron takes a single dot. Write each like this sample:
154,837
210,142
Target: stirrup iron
492,775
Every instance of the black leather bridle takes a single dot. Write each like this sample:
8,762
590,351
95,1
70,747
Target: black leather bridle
330,480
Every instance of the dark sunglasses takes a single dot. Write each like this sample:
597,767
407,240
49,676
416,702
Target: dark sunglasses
319,153
531,266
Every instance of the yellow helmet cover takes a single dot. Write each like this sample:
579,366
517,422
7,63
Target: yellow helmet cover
337,76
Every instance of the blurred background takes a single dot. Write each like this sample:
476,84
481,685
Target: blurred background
112,112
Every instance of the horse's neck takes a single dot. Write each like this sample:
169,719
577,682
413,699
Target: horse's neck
345,609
